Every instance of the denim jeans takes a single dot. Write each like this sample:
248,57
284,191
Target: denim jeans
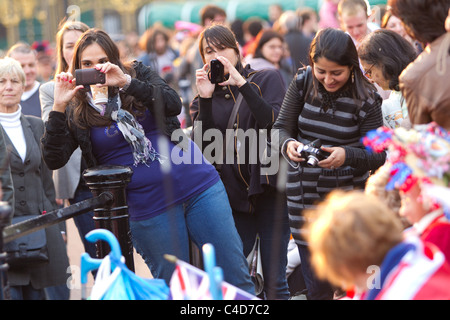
270,220
205,218
26,293
317,289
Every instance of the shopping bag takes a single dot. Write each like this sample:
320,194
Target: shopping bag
255,266
114,281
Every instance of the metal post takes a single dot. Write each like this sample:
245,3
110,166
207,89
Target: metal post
5,218
113,216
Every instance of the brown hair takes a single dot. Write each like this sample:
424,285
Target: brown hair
263,37
220,36
84,115
148,39
424,20
61,64
210,12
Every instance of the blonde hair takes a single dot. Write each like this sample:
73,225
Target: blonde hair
351,7
61,64
347,233
12,66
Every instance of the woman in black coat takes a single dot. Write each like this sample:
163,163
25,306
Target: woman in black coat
258,208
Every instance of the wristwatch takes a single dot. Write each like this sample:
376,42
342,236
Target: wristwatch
125,87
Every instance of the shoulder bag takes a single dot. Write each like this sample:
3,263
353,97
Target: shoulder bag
29,249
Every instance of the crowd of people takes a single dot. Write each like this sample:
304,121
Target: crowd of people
353,110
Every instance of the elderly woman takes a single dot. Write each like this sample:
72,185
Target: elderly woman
384,54
33,185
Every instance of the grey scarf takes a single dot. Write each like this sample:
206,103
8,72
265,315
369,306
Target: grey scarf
132,131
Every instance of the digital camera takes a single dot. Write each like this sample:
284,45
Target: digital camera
312,153
216,73
88,77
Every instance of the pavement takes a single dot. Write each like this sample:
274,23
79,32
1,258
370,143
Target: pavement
75,249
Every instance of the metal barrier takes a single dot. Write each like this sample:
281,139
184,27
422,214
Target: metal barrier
107,184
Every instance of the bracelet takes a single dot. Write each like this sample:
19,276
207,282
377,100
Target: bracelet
125,87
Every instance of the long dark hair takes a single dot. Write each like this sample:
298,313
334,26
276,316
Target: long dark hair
337,46
390,52
84,115
221,37
263,37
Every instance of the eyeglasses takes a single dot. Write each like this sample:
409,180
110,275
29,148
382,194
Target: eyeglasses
368,73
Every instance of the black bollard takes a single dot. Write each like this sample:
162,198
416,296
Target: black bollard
113,216
5,219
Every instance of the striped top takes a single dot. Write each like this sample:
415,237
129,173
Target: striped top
343,125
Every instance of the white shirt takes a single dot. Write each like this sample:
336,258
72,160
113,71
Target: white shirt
394,110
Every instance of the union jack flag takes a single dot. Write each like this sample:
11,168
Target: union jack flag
421,274
191,283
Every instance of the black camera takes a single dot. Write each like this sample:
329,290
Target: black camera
312,153
89,76
216,72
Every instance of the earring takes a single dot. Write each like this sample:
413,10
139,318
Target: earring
353,77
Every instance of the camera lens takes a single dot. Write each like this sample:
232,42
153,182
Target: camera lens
312,161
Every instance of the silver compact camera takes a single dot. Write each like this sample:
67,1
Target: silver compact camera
312,153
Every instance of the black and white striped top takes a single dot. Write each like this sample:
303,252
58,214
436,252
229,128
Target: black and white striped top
343,125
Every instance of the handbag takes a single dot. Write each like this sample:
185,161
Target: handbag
28,250
255,266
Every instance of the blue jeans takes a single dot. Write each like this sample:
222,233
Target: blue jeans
205,218
270,220
317,289
26,293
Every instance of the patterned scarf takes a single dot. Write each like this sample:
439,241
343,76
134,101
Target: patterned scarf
329,99
131,130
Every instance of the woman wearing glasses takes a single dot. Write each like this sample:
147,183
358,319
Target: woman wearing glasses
384,54
334,102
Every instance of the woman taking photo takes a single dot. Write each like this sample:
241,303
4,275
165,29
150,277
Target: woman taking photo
335,103
258,208
133,129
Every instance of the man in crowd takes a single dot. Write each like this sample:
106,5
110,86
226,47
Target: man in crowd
27,57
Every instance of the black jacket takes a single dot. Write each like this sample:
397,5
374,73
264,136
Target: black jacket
262,99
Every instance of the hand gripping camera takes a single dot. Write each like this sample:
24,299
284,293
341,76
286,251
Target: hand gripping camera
312,153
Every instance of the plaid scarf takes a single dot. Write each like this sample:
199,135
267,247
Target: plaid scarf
132,131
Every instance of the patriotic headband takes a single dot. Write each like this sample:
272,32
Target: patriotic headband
419,154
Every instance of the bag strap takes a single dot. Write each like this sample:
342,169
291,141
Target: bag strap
302,80
236,107
231,120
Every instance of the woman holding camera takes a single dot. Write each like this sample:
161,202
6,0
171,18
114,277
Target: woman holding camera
169,200
258,208
335,103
